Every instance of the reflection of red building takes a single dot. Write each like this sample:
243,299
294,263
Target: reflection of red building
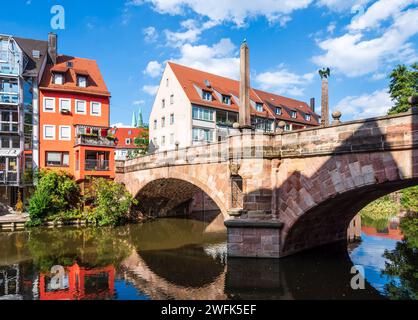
393,231
79,284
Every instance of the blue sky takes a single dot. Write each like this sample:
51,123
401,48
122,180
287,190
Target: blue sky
360,40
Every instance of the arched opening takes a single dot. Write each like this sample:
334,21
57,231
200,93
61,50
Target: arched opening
329,221
171,197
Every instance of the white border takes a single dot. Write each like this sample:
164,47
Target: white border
64,99
44,131
60,136
43,104
75,106
91,109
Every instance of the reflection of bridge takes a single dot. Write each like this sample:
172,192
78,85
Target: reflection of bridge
284,193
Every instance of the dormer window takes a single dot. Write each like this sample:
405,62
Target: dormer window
259,107
226,99
58,78
206,95
293,114
82,81
127,141
278,111
307,117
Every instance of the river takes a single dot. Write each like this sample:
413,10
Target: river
175,258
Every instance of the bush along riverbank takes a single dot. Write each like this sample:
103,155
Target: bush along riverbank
58,200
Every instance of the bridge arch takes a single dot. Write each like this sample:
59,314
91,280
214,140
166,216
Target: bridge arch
324,200
172,188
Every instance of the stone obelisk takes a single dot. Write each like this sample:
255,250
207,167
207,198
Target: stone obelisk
244,87
324,73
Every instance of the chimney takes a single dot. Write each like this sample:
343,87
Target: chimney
244,87
52,47
312,104
324,73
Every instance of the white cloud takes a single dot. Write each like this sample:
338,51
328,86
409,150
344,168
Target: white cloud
282,81
236,11
150,34
220,58
191,33
340,5
375,104
331,27
138,102
120,125
153,69
150,89
379,11
353,55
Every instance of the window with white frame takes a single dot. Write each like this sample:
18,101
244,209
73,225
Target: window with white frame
65,133
287,127
95,108
172,118
166,82
206,95
155,124
57,159
163,103
49,104
162,122
80,107
202,114
294,114
128,141
49,132
58,78
259,107
307,117
172,99
82,81
278,111
65,105
202,134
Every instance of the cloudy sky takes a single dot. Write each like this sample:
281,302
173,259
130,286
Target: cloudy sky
360,40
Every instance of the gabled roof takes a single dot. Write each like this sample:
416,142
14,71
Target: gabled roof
80,66
121,134
28,46
194,81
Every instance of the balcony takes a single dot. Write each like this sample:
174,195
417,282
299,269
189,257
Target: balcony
95,141
9,69
9,127
96,165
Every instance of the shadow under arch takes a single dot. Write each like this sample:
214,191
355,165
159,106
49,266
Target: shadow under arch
366,165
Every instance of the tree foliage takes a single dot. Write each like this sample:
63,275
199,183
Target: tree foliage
403,84
409,199
142,142
383,208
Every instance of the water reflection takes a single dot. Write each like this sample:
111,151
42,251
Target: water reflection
173,259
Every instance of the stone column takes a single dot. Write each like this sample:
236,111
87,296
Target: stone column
324,102
244,87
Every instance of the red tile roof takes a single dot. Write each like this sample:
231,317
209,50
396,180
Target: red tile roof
121,134
81,66
193,81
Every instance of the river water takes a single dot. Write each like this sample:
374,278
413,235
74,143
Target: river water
181,259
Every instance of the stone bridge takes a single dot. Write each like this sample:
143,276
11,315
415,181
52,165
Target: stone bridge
285,192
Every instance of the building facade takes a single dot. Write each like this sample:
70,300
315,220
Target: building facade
125,141
74,119
22,62
194,107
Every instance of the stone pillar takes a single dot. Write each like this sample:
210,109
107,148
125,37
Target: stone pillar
251,238
324,102
244,87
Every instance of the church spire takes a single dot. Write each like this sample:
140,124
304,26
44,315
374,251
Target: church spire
133,123
140,121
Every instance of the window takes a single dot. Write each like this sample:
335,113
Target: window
200,134
172,138
163,103
65,133
49,132
49,104
129,132
172,99
166,82
155,124
95,108
163,140
58,78
259,107
162,122
307,117
278,111
287,127
80,107
172,118
15,142
82,81
65,105
202,114
206,95
226,99
294,114
128,141
57,159
4,142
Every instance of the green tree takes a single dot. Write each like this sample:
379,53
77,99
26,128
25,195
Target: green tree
55,193
111,202
383,208
142,141
409,199
403,84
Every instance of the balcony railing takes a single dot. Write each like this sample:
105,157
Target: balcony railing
9,98
9,127
96,165
94,140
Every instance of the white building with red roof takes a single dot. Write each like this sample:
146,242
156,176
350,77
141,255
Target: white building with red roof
193,107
